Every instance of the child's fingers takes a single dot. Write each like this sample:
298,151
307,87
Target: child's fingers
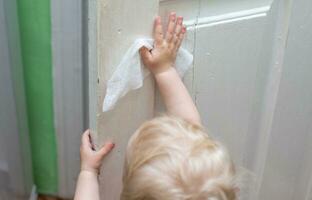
145,54
91,142
177,32
181,37
85,139
174,42
171,27
179,26
106,149
158,31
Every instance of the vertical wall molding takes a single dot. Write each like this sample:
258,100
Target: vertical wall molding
92,65
113,27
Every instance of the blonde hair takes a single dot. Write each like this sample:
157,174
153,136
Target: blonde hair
170,159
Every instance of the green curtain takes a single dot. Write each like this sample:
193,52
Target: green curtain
35,28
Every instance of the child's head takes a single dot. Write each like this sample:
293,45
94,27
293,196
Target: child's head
170,159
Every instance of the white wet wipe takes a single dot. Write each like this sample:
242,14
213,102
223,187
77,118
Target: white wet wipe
130,73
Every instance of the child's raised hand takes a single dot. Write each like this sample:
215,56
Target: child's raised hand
164,53
91,160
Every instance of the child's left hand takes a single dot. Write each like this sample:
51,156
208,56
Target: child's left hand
91,160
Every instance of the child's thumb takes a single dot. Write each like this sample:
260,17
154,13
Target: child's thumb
106,148
145,53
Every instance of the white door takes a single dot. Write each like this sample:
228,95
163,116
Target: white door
250,82
242,82
227,38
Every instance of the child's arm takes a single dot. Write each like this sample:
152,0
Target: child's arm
87,185
160,61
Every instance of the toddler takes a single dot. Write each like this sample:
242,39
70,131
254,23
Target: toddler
169,157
